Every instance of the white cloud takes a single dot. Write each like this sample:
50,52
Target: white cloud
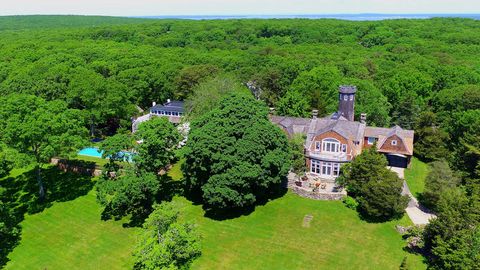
233,7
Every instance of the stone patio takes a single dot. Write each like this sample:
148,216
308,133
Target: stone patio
314,187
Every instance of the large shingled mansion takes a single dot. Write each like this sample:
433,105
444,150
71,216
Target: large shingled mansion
330,141
334,140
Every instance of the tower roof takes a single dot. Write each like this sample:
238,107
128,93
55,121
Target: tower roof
347,89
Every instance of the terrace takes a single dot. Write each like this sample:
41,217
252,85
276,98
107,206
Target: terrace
314,187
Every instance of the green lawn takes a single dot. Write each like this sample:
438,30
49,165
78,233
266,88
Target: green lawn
272,237
415,176
70,235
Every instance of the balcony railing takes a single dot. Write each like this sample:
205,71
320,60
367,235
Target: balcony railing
330,156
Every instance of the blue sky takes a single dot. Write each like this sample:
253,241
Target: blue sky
233,7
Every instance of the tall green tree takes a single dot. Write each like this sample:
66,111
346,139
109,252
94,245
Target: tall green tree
206,95
430,138
164,242
376,188
439,179
129,194
453,238
320,85
293,104
41,129
159,138
235,156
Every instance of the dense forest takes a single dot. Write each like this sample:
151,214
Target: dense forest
419,74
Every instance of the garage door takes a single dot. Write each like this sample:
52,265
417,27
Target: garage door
397,161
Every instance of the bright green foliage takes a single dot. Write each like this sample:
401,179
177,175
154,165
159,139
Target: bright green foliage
129,194
453,238
320,85
439,179
298,153
208,94
293,104
159,140
458,99
376,188
112,148
190,76
430,139
40,129
165,243
370,100
235,156
350,202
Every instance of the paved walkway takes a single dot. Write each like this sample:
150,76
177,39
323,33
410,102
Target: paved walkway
417,213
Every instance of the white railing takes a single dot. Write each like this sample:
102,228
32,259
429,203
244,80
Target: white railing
334,156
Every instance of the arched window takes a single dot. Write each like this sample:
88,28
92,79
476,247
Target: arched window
330,145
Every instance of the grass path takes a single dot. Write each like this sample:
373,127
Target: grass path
70,235
415,176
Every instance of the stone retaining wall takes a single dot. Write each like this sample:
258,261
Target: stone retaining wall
80,167
318,196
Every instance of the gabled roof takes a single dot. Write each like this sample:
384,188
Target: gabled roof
292,125
382,134
348,129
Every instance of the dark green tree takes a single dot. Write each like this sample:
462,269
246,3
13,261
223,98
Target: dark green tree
159,138
430,139
439,179
376,188
453,238
235,156
128,194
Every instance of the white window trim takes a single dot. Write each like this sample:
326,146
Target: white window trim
331,143
315,166
394,142
318,146
345,97
368,140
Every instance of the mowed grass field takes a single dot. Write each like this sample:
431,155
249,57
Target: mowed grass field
71,235
415,176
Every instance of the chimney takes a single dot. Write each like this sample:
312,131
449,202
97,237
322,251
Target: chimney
168,101
363,118
154,103
346,102
314,114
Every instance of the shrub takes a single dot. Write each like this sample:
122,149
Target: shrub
350,202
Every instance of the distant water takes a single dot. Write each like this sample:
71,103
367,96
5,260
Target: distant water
347,17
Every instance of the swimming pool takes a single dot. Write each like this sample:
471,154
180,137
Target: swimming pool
94,152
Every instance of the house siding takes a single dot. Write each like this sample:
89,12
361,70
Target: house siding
333,135
388,147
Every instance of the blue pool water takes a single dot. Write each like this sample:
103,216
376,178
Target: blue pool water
94,152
